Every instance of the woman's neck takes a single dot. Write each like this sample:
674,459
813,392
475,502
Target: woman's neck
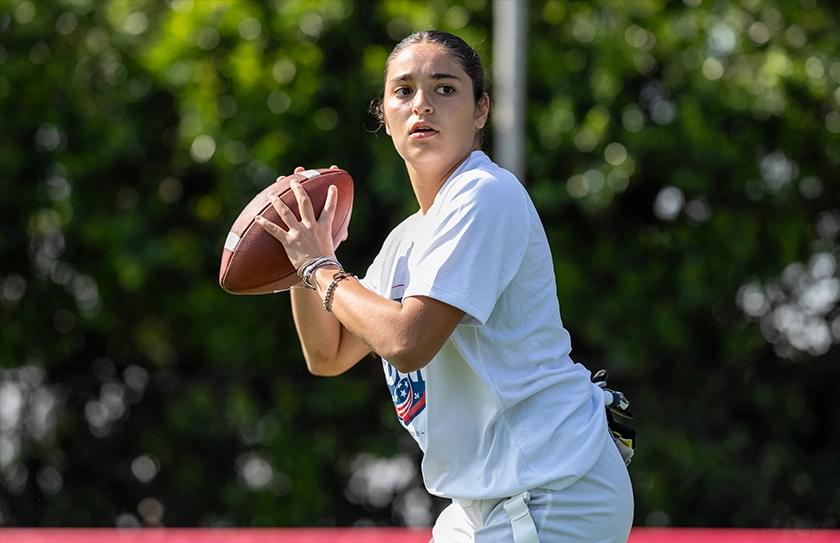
427,181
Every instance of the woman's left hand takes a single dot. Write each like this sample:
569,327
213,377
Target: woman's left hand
308,237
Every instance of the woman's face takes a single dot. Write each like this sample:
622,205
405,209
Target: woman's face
429,109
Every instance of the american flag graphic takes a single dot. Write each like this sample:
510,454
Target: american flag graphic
408,393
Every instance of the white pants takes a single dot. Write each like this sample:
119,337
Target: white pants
598,508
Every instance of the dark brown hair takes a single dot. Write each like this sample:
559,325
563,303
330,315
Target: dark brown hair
465,55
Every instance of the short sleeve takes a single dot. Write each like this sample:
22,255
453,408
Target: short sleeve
473,245
377,277
372,278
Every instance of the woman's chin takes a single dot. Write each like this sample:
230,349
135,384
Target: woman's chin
429,154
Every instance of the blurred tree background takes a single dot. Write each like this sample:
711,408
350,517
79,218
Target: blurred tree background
684,158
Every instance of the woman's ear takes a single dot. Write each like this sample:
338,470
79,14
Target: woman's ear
482,110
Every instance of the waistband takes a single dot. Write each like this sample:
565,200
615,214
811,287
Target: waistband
522,524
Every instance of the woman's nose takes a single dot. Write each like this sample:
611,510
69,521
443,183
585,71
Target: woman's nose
422,104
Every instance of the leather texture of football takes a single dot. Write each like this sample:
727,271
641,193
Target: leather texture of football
253,261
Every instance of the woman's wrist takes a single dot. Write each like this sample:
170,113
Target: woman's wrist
307,270
322,277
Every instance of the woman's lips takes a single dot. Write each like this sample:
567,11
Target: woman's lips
423,134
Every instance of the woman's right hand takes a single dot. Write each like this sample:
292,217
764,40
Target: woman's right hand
341,235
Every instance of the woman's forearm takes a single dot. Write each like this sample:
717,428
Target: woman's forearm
407,334
319,332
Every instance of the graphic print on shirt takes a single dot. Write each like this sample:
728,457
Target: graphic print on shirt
408,391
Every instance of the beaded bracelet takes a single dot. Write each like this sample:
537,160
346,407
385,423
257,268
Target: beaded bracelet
338,277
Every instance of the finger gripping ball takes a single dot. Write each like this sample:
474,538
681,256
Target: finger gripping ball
253,261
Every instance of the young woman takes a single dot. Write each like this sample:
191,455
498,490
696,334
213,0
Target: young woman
461,305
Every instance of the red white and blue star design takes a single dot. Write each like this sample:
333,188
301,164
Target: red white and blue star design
408,392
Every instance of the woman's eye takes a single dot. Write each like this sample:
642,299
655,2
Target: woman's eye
446,89
402,91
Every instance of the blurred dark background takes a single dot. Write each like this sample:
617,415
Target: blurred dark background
684,158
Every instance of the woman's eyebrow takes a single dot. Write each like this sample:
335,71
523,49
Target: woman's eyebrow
408,77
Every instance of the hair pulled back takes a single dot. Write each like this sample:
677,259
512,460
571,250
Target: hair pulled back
466,56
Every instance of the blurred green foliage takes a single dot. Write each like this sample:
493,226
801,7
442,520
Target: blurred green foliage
683,156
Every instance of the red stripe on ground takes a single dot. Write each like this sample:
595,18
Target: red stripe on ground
199,535
719,535
377,535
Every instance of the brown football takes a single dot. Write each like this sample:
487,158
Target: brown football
253,262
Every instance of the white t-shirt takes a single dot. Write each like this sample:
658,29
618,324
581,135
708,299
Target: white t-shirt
501,408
